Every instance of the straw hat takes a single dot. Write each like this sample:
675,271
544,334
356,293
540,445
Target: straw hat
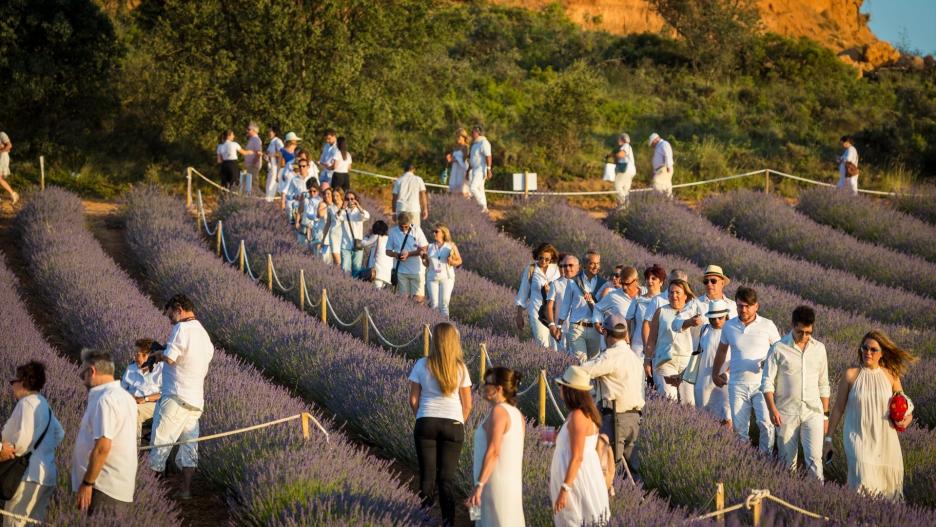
654,136
716,270
576,378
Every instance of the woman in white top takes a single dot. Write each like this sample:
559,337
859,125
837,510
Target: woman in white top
625,169
535,281
272,159
458,160
637,313
440,396
351,218
669,349
498,454
872,448
576,482
31,417
340,166
227,158
308,218
441,259
333,202
379,265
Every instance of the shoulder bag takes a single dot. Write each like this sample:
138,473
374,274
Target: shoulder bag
12,470
394,279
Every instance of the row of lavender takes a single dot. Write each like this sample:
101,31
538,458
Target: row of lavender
768,222
22,342
360,383
920,203
274,476
870,220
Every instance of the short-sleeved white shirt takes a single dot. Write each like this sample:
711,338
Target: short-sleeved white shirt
749,347
416,239
342,165
24,427
140,384
274,147
407,188
479,152
228,150
432,402
111,413
190,347
439,268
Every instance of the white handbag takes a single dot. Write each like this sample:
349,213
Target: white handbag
609,172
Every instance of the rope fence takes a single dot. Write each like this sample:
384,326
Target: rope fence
306,418
18,518
754,502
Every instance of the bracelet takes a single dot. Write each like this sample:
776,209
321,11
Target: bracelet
85,483
566,487
479,484
825,418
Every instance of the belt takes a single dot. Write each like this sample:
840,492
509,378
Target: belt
607,411
585,324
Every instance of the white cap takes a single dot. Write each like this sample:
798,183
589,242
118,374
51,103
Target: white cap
653,137
291,136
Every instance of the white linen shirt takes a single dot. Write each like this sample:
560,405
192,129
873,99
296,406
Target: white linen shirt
415,241
190,347
619,377
407,188
574,308
352,226
529,294
342,165
378,258
432,402
29,418
709,344
328,153
663,155
798,378
273,148
140,384
228,150
749,347
850,154
111,413
479,152
615,302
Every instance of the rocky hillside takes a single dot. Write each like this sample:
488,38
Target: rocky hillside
837,24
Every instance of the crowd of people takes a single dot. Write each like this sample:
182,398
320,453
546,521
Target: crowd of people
163,383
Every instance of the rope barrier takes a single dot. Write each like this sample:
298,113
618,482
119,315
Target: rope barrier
528,388
201,212
247,264
219,187
309,302
383,339
552,398
331,311
753,501
305,416
280,284
24,519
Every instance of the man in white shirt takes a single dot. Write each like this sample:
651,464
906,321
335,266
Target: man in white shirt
187,355
143,381
298,184
662,164
253,160
620,292
618,374
104,459
272,158
329,149
479,165
750,337
796,388
848,157
578,307
5,146
625,169
714,279
569,267
406,245
409,195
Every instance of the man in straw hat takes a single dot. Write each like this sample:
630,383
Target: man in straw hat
619,379
749,336
693,318
796,388
709,397
662,164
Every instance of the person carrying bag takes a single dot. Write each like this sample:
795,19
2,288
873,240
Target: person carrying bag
12,470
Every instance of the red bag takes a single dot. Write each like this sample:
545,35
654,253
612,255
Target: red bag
900,406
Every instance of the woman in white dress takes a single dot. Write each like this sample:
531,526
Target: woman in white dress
872,448
669,345
331,235
576,483
498,454
379,265
709,397
654,275
458,159
535,280
441,259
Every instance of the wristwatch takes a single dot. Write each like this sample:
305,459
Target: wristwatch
86,484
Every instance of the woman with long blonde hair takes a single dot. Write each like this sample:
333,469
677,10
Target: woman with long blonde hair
441,259
872,448
440,396
458,159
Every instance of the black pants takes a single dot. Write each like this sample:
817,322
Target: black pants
230,173
341,180
438,444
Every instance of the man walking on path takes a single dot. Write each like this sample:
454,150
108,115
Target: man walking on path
409,195
479,163
5,146
273,157
662,164
569,267
796,388
848,167
578,307
329,151
253,160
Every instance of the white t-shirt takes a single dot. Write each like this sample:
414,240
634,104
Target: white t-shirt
407,188
228,150
111,413
850,154
342,165
416,239
352,226
29,418
190,347
439,269
378,258
432,403
478,153
749,347
274,147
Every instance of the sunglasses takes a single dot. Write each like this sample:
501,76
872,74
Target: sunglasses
710,281
864,347
634,281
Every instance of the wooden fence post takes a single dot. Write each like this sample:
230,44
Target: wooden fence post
302,291
542,398
758,510
218,242
720,502
324,306
41,172
483,366
269,272
188,187
426,340
305,424
241,256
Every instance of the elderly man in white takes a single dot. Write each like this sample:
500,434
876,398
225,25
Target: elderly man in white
849,156
662,164
796,388
749,336
625,169
578,308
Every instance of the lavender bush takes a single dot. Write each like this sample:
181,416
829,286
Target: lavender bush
274,475
769,222
870,220
920,202
22,342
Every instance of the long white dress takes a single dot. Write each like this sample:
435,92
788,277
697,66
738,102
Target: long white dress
872,448
457,181
587,504
502,498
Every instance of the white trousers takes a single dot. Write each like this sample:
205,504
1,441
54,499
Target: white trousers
585,340
622,185
31,500
795,429
174,421
743,398
663,181
476,185
440,293
712,398
685,393
540,332
849,184
271,183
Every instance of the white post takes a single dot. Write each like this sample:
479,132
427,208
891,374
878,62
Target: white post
41,172
188,187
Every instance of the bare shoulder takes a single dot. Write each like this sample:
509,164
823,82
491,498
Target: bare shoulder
851,374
